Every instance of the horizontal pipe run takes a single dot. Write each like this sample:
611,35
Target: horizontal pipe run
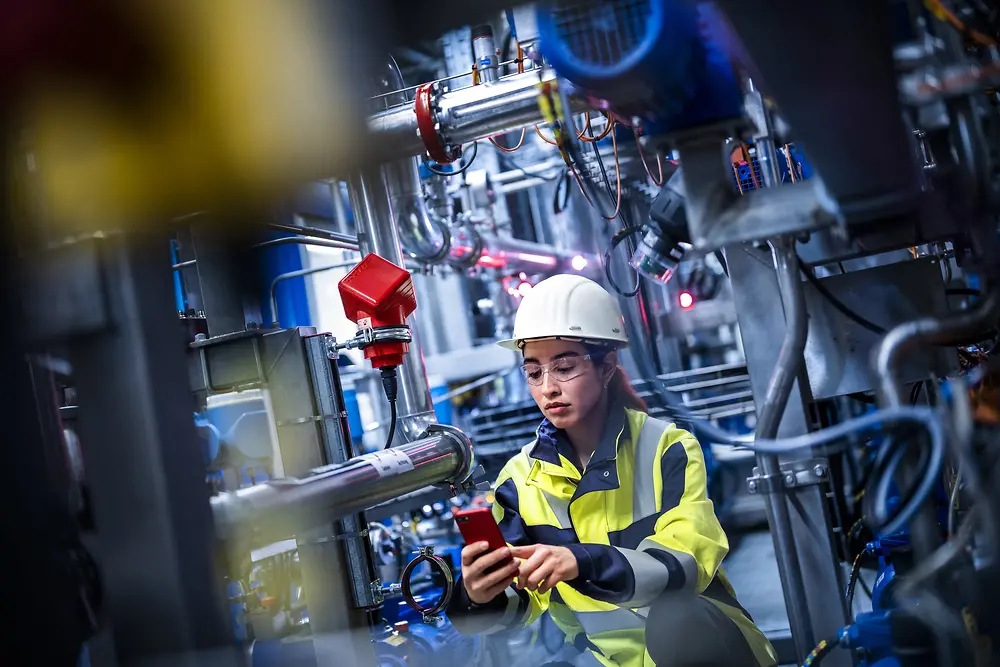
283,508
465,115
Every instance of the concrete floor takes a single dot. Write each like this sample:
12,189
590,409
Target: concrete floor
753,572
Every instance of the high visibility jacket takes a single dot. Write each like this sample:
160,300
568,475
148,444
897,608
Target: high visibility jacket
639,523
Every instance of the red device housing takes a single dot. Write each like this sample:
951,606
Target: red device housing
478,525
377,293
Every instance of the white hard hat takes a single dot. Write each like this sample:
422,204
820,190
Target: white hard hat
571,307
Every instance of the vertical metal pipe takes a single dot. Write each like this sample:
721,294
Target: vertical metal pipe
779,388
373,217
484,50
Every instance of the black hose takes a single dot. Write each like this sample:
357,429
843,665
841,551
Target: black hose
390,386
823,649
852,581
460,170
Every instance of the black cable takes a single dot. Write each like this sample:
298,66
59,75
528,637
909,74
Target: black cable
565,186
852,581
836,303
460,170
389,386
616,240
392,425
962,291
823,649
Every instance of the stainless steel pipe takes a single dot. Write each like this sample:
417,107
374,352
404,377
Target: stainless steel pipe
466,114
790,360
283,508
901,340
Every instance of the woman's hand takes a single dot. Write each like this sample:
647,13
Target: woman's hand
543,566
482,586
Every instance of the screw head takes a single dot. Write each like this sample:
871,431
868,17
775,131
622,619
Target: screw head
790,479
819,471
752,486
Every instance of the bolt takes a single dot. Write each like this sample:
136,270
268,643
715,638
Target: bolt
752,486
790,479
819,471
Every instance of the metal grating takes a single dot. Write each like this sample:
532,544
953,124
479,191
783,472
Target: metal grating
601,32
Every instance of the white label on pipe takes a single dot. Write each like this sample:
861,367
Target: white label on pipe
391,462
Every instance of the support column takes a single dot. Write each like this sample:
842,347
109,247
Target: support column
761,318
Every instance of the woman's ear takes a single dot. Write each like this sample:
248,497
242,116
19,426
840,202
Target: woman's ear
609,367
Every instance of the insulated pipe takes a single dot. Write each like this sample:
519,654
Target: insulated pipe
779,388
283,508
464,115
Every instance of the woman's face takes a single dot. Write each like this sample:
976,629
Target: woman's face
569,385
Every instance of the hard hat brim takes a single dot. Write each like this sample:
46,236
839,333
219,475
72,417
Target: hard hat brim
516,343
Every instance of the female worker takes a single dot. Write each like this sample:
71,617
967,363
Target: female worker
605,512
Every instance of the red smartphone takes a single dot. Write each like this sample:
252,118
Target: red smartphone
478,525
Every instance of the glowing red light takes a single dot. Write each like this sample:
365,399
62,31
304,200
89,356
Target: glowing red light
524,288
492,262
686,300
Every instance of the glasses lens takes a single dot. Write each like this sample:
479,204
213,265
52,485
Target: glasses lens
566,369
532,373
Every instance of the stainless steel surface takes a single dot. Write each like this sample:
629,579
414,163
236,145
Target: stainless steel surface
964,327
425,236
336,557
763,138
287,507
759,311
839,351
717,216
484,53
466,115
377,234
769,417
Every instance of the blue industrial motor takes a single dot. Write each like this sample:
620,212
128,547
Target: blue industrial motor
663,61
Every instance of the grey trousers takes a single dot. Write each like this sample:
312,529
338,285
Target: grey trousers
690,631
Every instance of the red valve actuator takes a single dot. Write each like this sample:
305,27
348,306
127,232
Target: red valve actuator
377,293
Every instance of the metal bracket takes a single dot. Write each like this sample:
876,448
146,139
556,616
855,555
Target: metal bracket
367,336
796,473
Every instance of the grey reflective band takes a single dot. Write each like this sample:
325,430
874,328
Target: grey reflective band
510,616
644,488
686,560
651,577
560,509
616,620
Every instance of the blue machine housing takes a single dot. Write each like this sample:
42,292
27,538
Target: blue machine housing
660,60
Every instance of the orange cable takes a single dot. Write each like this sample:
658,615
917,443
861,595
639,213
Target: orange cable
509,150
946,15
542,137
746,158
642,156
520,59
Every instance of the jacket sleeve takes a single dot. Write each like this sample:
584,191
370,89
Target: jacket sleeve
513,608
679,548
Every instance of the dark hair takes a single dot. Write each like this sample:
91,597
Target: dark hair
619,387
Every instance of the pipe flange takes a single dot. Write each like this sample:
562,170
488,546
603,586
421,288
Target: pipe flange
423,106
463,445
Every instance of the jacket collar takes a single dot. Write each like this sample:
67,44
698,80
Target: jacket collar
551,441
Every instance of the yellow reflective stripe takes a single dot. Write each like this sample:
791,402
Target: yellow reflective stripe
646,448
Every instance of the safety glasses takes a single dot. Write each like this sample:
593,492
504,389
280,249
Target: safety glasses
561,370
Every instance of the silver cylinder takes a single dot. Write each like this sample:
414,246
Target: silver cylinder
287,507
465,115
484,52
